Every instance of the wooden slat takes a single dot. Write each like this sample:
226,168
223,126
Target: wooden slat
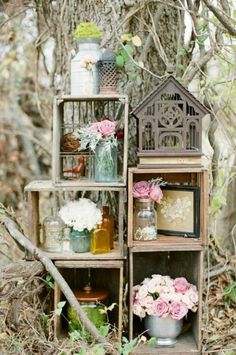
204,207
112,97
131,284
168,243
33,216
167,170
130,209
185,346
120,305
116,253
47,185
103,264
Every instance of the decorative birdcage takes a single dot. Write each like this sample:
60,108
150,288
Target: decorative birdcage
169,122
107,73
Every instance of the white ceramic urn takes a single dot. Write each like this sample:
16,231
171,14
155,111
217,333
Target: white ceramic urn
84,68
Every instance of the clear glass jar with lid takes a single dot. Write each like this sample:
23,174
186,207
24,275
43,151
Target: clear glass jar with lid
145,220
53,229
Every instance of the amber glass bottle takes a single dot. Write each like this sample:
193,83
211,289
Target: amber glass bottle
108,223
100,240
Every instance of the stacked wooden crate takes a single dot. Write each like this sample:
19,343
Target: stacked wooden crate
169,138
71,113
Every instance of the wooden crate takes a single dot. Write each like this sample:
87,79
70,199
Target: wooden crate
71,113
175,264
189,176
105,274
39,193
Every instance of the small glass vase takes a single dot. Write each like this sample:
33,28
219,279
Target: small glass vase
166,330
145,220
105,162
80,241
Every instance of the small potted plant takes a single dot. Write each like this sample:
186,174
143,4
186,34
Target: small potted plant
82,215
163,302
84,69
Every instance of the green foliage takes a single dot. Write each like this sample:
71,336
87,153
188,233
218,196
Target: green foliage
59,308
127,347
125,57
49,281
230,292
87,29
152,341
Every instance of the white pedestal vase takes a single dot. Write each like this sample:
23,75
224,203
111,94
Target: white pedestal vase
84,68
166,330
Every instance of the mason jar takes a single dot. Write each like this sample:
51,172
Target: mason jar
145,220
105,168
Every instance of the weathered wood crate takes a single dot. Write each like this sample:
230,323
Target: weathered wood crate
39,194
192,177
188,264
107,275
71,113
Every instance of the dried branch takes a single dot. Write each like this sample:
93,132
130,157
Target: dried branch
50,267
194,67
223,18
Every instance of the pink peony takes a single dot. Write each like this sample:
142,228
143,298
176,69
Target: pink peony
141,189
94,127
156,193
178,310
107,128
161,308
181,284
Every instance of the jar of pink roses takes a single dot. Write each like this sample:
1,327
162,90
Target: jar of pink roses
146,194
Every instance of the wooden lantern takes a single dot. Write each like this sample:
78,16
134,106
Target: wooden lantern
169,125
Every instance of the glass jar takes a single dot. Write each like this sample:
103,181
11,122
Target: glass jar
100,240
105,162
108,223
80,241
145,220
90,300
53,228
65,244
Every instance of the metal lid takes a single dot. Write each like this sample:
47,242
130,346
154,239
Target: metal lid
88,294
108,55
144,200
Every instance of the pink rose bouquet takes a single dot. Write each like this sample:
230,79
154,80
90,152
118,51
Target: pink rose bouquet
163,296
149,189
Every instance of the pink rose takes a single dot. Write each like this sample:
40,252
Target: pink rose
107,128
156,193
181,284
160,308
178,310
94,127
141,189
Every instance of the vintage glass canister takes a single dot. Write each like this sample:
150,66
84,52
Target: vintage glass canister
100,240
53,228
105,166
145,220
108,223
91,300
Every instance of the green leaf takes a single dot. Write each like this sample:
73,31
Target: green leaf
60,305
120,61
181,66
136,40
104,330
230,292
126,37
182,52
152,341
49,282
129,49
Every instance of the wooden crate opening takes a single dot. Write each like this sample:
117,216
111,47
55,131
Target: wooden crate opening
191,177
69,165
104,276
43,196
174,264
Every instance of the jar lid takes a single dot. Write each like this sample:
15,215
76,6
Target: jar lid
88,294
144,200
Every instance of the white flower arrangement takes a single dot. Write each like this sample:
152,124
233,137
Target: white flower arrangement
81,214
